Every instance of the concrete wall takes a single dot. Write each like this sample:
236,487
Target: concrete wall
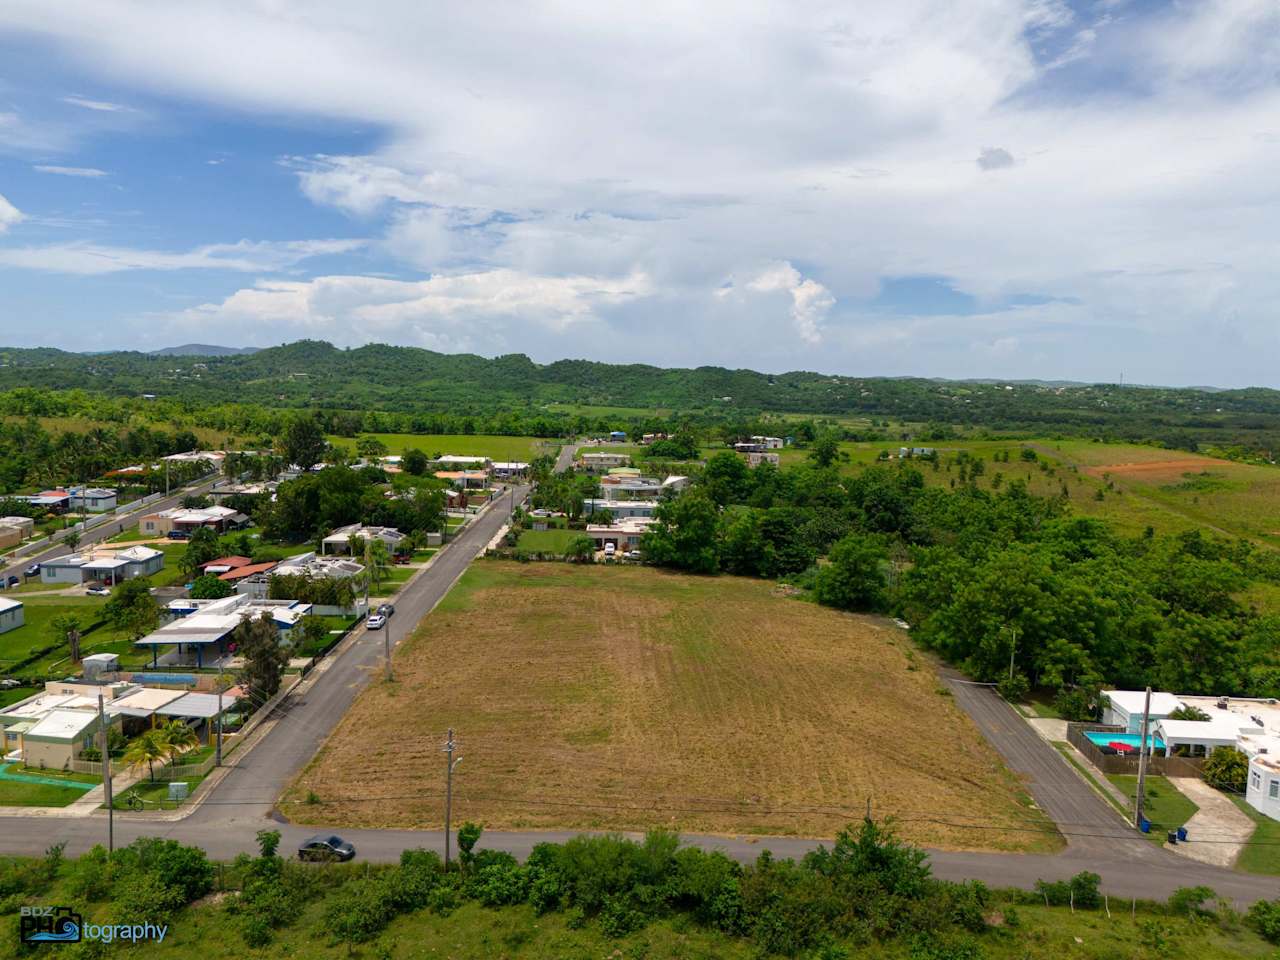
10,537
11,619
54,754
60,574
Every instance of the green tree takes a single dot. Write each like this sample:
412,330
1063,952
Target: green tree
177,737
1227,769
853,576
72,539
726,479
377,560
66,627
201,548
209,587
684,535
414,462
145,750
743,548
580,549
825,451
303,441
265,657
132,608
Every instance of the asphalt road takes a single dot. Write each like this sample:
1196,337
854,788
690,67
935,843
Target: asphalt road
564,459
106,530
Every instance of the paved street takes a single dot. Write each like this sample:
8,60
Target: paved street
107,530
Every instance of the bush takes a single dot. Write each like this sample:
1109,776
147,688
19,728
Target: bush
1264,917
1190,901
1014,689
1227,769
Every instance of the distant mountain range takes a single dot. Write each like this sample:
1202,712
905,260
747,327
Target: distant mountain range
203,350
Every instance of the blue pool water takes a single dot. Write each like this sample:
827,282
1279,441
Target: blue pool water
1102,738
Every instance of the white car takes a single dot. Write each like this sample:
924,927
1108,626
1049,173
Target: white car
376,622
610,549
99,591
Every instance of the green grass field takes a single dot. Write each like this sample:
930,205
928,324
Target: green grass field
461,445
1166,807
16,794
547,541
35,634
1262,853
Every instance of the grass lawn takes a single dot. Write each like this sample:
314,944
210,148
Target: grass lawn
547,541
1262,853
35,634
1041,701
461,445
1166,807
395,576
619,698
16,794
130,535
9,697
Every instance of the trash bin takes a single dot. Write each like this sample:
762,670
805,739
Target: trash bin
1182,834
1173,837
1144,825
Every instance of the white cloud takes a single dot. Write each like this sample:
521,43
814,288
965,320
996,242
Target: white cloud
100,106
9,214
457,312
245,256
88,172
686,145
810,300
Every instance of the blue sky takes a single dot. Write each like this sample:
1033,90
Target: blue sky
1001,188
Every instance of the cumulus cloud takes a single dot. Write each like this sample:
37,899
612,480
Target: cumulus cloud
245,256
9,214
555,143
87,172
458,312
995,158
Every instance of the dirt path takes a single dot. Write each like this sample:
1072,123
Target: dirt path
1220,826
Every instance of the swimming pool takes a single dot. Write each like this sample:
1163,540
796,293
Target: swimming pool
1102,739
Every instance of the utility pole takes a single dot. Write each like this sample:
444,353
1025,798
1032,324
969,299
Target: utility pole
1013,648
106,777
217,750
1142,763
450,762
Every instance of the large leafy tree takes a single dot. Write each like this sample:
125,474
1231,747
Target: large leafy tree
265,657
132,608
685,534
853,577
201,548
302,442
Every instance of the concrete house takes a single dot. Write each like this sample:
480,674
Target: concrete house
623,534
92,499
11,614
111,567
339,540
24,525
220,519
1124,708
599,461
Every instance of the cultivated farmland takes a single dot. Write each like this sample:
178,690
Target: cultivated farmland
628,698
461,445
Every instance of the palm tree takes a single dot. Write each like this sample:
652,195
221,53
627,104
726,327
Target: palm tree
146,749
376,560
178,738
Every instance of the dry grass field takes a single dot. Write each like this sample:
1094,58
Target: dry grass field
629,698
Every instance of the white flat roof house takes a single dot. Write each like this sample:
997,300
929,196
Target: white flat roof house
1124,707
509,468
603,460
449,461
11,614
339,540
204,624
623,534
92,499
111,567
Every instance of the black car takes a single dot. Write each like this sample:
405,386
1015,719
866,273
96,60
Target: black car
32,570
325,849
13,581
386,609
178,535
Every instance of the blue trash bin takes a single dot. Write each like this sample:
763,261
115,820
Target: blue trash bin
1182,834
1144,825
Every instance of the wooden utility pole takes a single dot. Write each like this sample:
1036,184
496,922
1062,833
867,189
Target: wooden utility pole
1142,763
450,762
106,777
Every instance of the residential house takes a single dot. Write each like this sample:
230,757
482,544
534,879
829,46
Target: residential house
258,585
11,614
630,488
758,457
465,479
10,536
599,461
617,436
110,567
24,525
54,501
339,540
185,520
92,499
620,509
769,443
1124,708
508,469
674,484
451,462
224,489
623,534
203,625
909,453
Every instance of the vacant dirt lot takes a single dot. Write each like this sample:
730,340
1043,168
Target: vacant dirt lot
1158,470
628,698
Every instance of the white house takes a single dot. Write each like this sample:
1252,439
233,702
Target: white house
769,443
11,615
623,534
109,567
451,462
92,499
339,540
206,624
24,525
599,461
1124,707
621,509
507,469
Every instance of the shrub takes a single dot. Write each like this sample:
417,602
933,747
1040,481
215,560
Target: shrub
1227,769
1014,689
1190,901
1264,917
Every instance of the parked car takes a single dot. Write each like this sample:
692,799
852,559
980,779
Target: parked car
401,558
325,849
12,582
610,549
386,609
9,684
376,621
32,571
99,590
633,554
178,535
